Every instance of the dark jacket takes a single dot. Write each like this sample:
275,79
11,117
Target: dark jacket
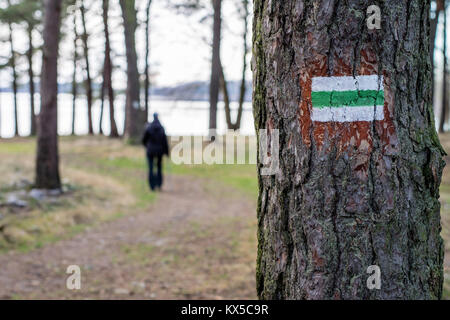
155,139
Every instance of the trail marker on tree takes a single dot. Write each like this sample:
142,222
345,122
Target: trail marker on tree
347,99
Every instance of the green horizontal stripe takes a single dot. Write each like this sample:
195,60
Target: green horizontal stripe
347,98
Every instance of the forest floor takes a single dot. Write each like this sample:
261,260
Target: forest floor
194,240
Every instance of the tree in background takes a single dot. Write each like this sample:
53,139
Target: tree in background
223,83
444,106
30,8
214,84
47,159
147,53
88,80
135,116
439,6
75,67
347,195
10,16
107,76
23,12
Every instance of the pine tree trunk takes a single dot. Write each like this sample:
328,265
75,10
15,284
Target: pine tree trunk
226,98
444,107
135,116
108,72
223,83
74,76
31,81
215,66
102,103
243,89
14,79
147,53
88,81
47,160
347,195
434,25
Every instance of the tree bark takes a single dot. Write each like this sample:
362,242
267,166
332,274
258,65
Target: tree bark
47,160
215,66
347,195
135,116
108,72
31,80
147,53
88,81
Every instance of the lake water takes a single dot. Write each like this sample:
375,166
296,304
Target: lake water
178,117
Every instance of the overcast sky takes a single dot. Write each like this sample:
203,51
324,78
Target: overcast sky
179,49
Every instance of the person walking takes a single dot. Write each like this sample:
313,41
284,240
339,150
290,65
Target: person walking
155,141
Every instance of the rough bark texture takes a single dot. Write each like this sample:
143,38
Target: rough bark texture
347,195
88,81
47,160
215,65
135,117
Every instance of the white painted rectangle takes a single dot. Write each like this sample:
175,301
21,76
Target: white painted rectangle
372,82
347,114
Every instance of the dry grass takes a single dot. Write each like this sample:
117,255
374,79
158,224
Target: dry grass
97,195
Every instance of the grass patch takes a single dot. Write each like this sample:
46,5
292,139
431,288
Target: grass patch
242,177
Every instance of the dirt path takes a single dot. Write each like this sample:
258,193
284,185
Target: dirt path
196,241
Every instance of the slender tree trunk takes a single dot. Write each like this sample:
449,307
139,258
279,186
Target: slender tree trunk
444,109
102,104
88,82
14,79
135,116
355,187
47,160
215,67
243,88
434,23
236,125
31,81
74,76
108,72
147,53
226,98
